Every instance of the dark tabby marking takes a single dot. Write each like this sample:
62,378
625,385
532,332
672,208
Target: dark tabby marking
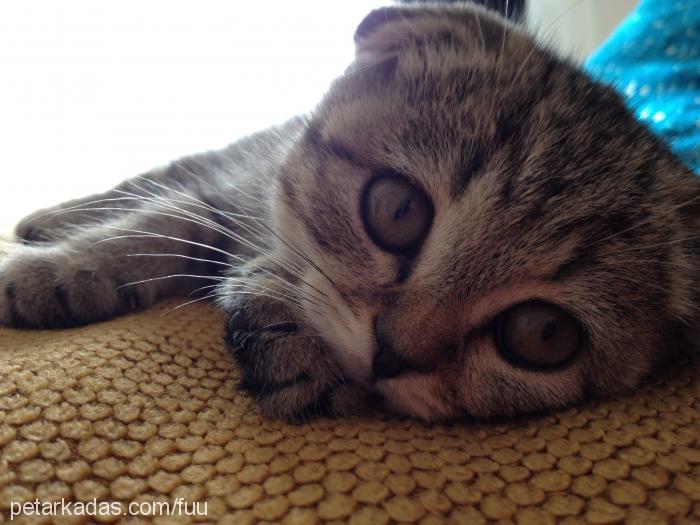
559,255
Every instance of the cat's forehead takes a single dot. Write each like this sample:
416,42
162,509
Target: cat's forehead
516,148
445,128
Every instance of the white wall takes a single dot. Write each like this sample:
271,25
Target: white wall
95,91
577,27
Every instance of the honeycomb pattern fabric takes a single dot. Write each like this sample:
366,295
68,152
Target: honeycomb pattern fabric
143,408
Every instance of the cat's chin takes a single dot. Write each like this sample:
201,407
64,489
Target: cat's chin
414,395
353,356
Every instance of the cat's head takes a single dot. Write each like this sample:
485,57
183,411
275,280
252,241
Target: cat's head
491,231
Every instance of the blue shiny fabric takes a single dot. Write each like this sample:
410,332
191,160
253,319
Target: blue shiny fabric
653,60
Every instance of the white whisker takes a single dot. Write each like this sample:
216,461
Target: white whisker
208,296
481,31
194,276
143,234
293,269
181,256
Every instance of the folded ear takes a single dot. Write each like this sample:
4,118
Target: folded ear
379,17
387,30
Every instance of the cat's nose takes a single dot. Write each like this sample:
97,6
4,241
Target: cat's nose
387,363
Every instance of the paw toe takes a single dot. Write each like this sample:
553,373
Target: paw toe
30,231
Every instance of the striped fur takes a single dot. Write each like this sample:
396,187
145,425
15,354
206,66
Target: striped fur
544,187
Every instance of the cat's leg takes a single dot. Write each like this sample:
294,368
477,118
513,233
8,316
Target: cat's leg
284,365
54,223
86,276
59,221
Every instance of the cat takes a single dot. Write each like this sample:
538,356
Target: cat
465,225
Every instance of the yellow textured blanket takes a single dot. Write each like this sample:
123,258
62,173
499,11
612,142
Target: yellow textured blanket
143,409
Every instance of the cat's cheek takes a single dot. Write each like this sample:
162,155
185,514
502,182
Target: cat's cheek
490,386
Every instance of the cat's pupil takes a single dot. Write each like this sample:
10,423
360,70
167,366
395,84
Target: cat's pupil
403,209
549,330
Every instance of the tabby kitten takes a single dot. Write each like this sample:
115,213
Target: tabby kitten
466,224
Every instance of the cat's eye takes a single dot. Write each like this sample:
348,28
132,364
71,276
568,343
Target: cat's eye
396,214
537,334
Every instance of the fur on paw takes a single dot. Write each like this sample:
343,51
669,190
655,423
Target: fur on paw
40,227
51,287
285,368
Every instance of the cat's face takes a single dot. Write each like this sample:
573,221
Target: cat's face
492,232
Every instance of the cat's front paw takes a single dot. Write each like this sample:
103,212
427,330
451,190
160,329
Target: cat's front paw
52,287
285,367
57,223
43,226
